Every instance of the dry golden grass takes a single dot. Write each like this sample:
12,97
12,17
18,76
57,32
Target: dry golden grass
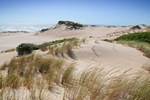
65,48
67,76
91,84
12,80
94,85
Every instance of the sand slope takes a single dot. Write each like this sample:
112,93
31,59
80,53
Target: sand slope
110,56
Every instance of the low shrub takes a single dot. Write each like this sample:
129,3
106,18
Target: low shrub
26,48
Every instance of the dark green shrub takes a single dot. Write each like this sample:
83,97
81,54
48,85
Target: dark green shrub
71,24
26,48
78,25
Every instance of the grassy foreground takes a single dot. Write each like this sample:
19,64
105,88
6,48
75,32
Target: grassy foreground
92,84
38,74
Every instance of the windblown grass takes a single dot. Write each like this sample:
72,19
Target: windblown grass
25,68
68,75
65,48
13,80
45,45
100,87
91,84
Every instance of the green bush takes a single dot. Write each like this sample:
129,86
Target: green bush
139,37
26,48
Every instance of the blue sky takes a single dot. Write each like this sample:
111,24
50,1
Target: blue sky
102,12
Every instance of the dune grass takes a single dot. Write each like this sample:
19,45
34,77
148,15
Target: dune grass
141,41
91,84
47,44
94,84
65,48
67,76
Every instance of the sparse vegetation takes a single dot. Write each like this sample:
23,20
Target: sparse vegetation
65,48
95,84
138,40
144,47
27,48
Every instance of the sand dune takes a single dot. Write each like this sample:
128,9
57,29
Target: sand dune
100,32
110,56
96,51
93,53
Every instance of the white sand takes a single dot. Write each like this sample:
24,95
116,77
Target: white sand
110,56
